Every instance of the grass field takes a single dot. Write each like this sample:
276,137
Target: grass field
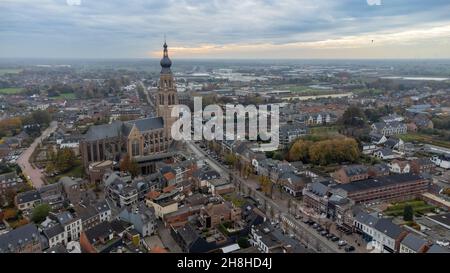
76,171
4,71
65,96
428,139
10,91
419,207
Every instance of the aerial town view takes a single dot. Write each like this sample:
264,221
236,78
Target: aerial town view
231,127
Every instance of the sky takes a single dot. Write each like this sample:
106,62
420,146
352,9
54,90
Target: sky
230,29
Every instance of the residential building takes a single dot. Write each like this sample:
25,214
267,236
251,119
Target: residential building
393,188
24,239
141,217
387,236
351,173
413,244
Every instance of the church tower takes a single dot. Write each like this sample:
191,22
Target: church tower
167,95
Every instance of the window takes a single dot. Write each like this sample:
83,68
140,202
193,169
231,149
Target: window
135,148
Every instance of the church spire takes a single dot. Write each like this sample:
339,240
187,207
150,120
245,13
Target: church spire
166,63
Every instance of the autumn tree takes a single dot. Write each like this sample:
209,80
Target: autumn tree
354,117
129,165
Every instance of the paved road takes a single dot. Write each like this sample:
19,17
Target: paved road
274,210
201,155
24,163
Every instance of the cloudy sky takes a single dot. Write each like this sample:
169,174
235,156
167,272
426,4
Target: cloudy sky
225,28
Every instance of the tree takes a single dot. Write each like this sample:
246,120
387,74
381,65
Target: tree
129,165
243,242
354,117
65,159
40,213
408,213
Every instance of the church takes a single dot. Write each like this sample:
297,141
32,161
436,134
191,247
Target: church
144,140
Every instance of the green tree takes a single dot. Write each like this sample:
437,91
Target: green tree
40,213
354,117
243,242
408,213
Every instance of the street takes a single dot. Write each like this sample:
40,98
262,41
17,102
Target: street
35,174
274,210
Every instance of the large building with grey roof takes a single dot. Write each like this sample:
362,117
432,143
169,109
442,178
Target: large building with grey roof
144,140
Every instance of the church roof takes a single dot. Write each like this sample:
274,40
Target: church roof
148,124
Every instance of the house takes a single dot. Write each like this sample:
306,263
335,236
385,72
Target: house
71,224
190,240
213,215
387,236
377,138
201,176
423,122
268,239
219,186
92,215
26,201
293,183
52,195
124,191
364,223
351,173
385,154
377,170
438,249
413,244
399,166
163,203
99,239
24,239
422,165
10,181
389,128
442,161
142,218
55,235
72,188
368,148
392,118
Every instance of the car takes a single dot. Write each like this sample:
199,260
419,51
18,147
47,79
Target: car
349,248
298,216
342,243
320,229
324,233
334,239
330,236
311,223
315,226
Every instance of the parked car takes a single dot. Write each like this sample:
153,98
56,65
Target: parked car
342,243
334,239
315,226
324,233
320,229
330,236
349,248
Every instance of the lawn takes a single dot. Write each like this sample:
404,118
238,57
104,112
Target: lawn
10,91
429,139
76,171
65,96
419,207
